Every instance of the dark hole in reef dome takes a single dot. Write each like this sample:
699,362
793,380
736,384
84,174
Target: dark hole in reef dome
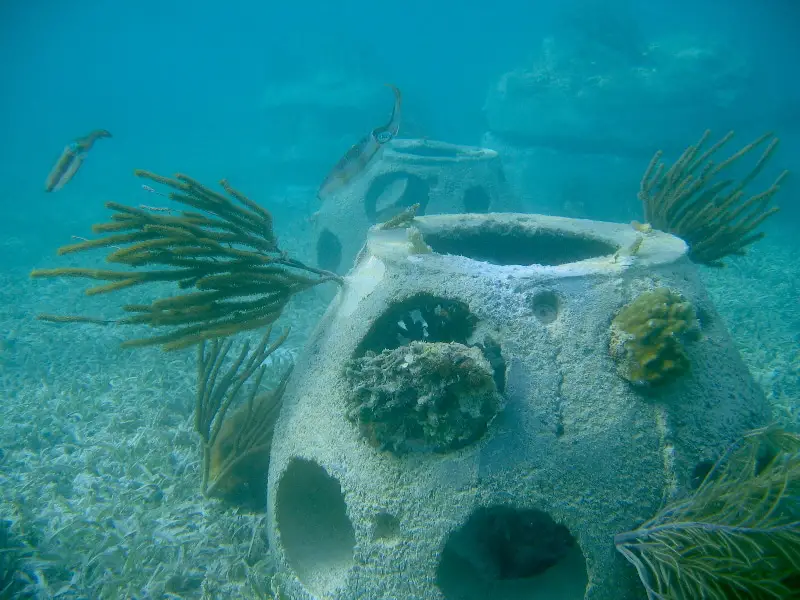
329,251
315,531
476,199
391,193
546,306
419,318
513,244
429,318
504,553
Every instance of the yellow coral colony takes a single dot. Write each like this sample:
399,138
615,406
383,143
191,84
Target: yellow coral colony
648,337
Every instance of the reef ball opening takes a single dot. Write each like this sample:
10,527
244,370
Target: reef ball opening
315,531
393,192
513,244
504,553
419,318
546,306
329,251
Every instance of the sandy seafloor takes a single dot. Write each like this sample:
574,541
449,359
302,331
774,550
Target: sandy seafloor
99,463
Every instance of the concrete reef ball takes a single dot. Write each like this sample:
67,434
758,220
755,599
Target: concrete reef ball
648,337
423,396
471,500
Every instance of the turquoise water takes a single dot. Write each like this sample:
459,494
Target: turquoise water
98,454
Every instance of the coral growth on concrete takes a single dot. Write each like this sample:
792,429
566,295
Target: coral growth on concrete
648,337
717,218
423,396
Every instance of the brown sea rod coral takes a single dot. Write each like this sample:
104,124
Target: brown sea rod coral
715,217
236,436
223,258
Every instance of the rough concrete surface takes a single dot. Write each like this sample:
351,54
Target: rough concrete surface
575,446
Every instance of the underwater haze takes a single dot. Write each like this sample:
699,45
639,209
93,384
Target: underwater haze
137,420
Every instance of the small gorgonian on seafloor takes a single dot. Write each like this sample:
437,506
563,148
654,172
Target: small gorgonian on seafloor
236,437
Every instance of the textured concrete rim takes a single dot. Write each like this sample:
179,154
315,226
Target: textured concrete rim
402,151
656,248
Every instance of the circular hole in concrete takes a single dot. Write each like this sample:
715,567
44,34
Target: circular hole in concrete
545,305
476,200
419,318
386,528
502,243
508,554
391,193
386,202
429,318
329,251
315,532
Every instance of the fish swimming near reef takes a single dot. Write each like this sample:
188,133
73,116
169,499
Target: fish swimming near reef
360,156
71,160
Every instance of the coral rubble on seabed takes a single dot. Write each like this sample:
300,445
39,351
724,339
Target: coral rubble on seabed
99,469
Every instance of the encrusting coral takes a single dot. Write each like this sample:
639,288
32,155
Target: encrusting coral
226,256
736,536
423,396
402,219
713,216
648,337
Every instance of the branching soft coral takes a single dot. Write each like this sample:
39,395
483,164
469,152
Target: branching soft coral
737,536
226,257
714,216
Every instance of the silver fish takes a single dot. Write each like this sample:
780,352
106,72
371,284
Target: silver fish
361,155
71,160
